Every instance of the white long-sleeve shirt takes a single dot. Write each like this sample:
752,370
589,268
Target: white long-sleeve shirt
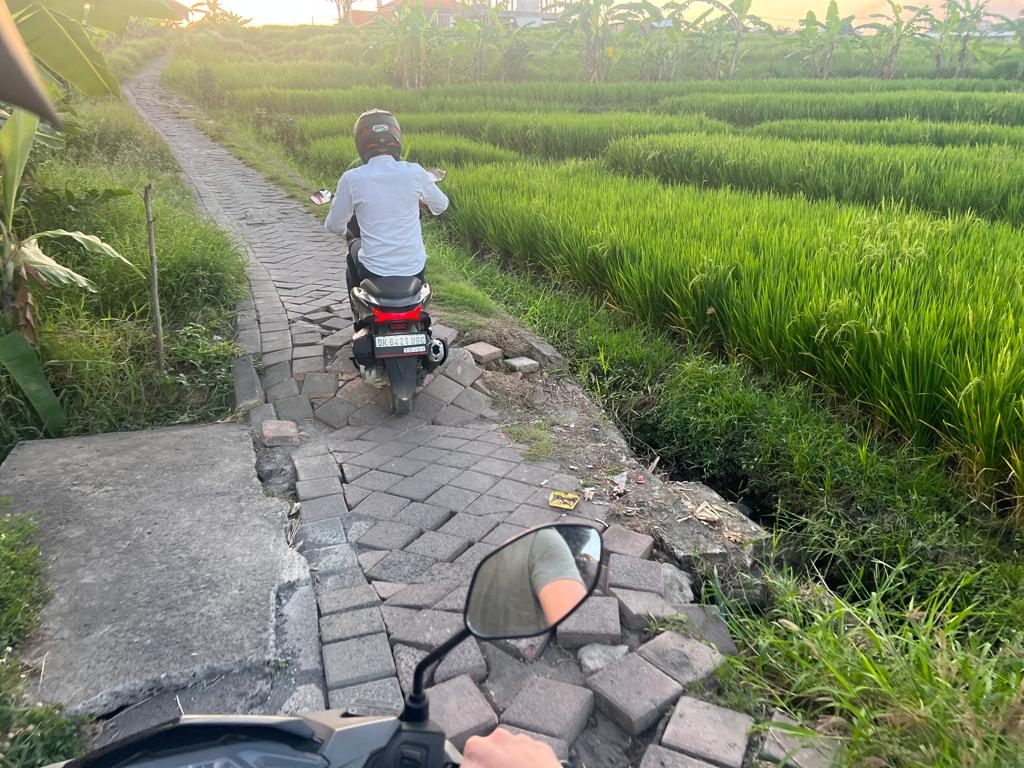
385,194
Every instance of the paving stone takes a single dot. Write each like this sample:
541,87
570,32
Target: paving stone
349,624
421,595
370,415
452,415
461,710
474,481
337,340
496,467
439,546
458,459
463,372
403,465
678,586
637,609
659,757
394,616
794,749
634,693
261,414
362,596
294,408
427,407
416,488
388,535
501,534
684,659
276,432
427,453
376,480
323,508
705,622
354,495
306,366
358,392
423,516
550,707
370,557
596,656
706,732
564,482
314,489
464,659
444,333
383,506
511,490
506,675
277,357
596,621
305,353
472,401
473,556
443,389
483,352
529,516
528,649
455,601
407,659
559,747
357,525
467,526
620,540
359,660
486,506
402,567
335,412
455,499
305,339
324,533
352,472
380,697
429,629
634,573
313,467
522,365
276,373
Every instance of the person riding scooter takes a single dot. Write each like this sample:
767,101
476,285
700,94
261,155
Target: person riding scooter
378,204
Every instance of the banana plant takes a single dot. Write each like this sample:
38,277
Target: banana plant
821,39
893,30
1016,28
53,32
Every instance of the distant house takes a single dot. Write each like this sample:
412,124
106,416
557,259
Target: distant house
522,13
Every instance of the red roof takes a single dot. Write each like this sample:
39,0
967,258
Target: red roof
395,4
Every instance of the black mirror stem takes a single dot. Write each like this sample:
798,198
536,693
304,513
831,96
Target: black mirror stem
417,708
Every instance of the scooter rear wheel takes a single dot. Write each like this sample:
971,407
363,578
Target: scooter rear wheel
400,406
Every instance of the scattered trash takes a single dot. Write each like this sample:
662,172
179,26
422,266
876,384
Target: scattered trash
588,494
641,480
563,500
619,488
706,514
574,469
321,197
654,465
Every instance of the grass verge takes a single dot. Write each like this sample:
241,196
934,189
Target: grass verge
30,734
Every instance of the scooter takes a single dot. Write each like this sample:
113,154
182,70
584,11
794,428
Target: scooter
392,345
343,738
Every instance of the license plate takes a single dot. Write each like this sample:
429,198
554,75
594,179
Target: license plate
402,343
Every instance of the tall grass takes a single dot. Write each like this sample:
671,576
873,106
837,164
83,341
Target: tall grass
753,108
915,317
546,135
988,181
893,132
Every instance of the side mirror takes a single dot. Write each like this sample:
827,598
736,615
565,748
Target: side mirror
533,582
437,173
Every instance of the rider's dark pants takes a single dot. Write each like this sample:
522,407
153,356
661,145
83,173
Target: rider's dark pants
356,272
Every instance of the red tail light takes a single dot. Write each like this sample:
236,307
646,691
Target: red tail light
383,317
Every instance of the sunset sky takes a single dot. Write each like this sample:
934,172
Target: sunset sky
776,11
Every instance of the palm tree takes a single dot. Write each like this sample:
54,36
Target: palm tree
343,8
821,39
892,32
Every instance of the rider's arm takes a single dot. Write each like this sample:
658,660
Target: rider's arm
341,208
432,196
554,576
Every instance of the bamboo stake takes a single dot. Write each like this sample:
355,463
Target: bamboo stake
154,280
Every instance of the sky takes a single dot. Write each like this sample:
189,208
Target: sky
778,12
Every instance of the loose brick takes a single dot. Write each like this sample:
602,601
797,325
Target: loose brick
559,747
362,596
634,573
634,693
801,751
463,659
429,629
522,365
483,352
709,733
705,622
552,708
596,621
596,656
421,595
402,567
439,546
275,432
636,609
314,489
355,623
380,697
323,508
461,710
659,757
684,659
622,541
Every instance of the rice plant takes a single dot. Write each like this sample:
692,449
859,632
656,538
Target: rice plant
894,132
988,181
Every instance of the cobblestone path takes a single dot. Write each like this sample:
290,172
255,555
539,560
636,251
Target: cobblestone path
397,511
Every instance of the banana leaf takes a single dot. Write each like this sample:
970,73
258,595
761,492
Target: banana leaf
16,139
20,360
61,43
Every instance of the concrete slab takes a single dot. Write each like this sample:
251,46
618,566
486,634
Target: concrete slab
156,541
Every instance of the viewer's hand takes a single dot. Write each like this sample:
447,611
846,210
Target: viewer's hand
505,750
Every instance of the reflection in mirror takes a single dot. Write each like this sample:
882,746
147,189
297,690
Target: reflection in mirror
530,584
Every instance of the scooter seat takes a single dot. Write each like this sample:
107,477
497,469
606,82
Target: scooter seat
392,287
